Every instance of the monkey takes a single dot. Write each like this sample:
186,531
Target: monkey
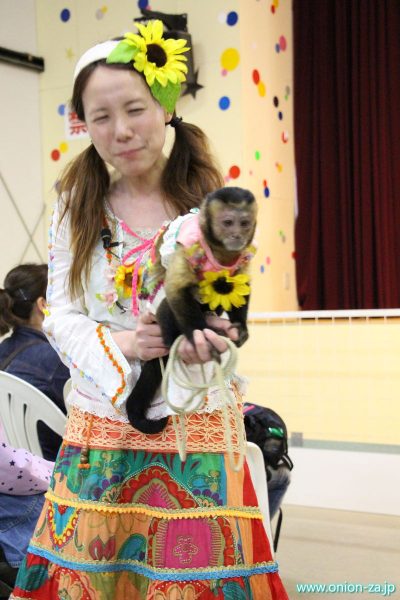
212,255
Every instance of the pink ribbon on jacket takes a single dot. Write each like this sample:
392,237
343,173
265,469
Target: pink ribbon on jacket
142,249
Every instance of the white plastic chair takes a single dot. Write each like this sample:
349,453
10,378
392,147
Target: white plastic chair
255,461
21,407
66,390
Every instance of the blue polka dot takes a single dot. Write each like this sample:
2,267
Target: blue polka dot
224,103
143,3
266,192
65,15
61,110
262,268
277,48
280,115
232,18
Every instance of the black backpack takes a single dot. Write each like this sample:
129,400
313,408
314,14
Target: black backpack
267,429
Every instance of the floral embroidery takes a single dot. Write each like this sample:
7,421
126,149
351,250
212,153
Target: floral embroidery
123,280
185,549
110,355
137,275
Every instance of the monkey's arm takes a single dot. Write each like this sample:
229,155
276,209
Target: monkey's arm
180,288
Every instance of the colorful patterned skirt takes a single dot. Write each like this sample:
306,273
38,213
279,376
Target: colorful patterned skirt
138,523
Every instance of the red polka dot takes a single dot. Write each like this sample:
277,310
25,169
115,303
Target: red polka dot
256,76
234,172
282,42
294,255
265,184
55,155
273,9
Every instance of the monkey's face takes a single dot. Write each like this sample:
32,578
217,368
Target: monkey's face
233,227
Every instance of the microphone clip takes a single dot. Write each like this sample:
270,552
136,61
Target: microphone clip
106,237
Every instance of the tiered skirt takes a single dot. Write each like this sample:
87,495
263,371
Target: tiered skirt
137,523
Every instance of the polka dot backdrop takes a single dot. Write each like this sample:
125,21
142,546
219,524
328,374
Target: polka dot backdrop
274,6
281,45
230,59
261,88
264,78
100,12
65,15
224,103
232,18
234,172
55,154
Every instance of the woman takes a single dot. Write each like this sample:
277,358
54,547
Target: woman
124,516
26,353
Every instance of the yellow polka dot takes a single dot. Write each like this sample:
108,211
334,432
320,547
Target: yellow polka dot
230,59
104,9
63,147
261,88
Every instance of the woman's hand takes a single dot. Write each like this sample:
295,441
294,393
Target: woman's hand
145,342
206,340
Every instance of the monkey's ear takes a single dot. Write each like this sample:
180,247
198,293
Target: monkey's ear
204,213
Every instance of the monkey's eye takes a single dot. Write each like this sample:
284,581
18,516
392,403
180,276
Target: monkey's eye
227,222
245,223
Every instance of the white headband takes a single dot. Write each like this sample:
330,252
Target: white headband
93,54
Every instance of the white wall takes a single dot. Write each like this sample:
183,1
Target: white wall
354,481
22,228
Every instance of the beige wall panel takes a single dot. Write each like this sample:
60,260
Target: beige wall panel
250,123
335,381
21,199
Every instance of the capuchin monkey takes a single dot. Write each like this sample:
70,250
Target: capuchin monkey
215,241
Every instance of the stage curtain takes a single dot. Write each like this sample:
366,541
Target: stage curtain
347,152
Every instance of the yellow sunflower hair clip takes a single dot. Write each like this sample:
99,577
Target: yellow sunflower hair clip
160,60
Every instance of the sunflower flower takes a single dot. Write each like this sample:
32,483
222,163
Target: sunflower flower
221,289
160,60
123,280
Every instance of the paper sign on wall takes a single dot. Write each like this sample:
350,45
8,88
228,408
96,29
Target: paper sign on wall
74,128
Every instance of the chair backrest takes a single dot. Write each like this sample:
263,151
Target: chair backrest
66,390
255,462
21,407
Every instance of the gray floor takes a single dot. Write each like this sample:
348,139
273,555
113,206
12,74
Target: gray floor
339,548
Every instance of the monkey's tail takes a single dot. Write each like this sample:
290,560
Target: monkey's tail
141,396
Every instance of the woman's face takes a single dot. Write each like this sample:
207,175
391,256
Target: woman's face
126,124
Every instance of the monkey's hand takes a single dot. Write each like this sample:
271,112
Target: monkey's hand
206,346
243,334
223,327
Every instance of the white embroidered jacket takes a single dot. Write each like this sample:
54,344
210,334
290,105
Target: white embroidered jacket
80,330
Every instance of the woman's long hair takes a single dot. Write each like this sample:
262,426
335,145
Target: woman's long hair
189,174
23,285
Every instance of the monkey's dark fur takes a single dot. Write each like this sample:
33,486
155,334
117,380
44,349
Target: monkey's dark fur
227,222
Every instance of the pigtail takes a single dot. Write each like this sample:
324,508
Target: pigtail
191,171
84,184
